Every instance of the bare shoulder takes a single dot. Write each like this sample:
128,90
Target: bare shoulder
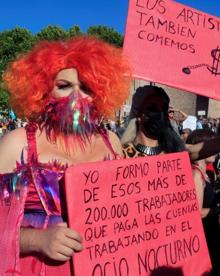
196,173
115,141
11,146
14,138
198,177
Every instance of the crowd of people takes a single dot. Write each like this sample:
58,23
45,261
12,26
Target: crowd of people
176,117
64,90
119,125
209,123
8,124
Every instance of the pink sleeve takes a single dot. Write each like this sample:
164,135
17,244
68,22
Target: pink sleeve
11,214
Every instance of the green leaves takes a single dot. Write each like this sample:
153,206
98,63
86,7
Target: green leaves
12,43
51,33
107,34
4,101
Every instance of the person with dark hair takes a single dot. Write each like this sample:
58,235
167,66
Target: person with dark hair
167,271
152,131
185,133
63,89
208,197
149,131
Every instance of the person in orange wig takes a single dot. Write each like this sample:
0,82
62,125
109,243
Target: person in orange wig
63,89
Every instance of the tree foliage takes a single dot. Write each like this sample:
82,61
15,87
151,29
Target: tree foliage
74,31
107,34
4,101
51,33
12,43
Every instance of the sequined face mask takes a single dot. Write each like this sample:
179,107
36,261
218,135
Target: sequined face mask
72,115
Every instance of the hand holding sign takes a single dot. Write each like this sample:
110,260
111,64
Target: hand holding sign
135,216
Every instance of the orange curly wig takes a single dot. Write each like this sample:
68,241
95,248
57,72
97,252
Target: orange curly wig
100,66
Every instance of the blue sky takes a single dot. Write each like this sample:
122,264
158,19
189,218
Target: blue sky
37,14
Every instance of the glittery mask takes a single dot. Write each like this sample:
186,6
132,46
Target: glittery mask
72,115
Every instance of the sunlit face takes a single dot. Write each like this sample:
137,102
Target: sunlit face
67,82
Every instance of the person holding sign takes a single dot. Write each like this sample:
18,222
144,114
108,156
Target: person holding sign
149,131
63,89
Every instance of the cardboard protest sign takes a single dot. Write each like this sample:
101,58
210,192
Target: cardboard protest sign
174,44
136,215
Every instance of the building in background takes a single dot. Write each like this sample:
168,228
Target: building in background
188,102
